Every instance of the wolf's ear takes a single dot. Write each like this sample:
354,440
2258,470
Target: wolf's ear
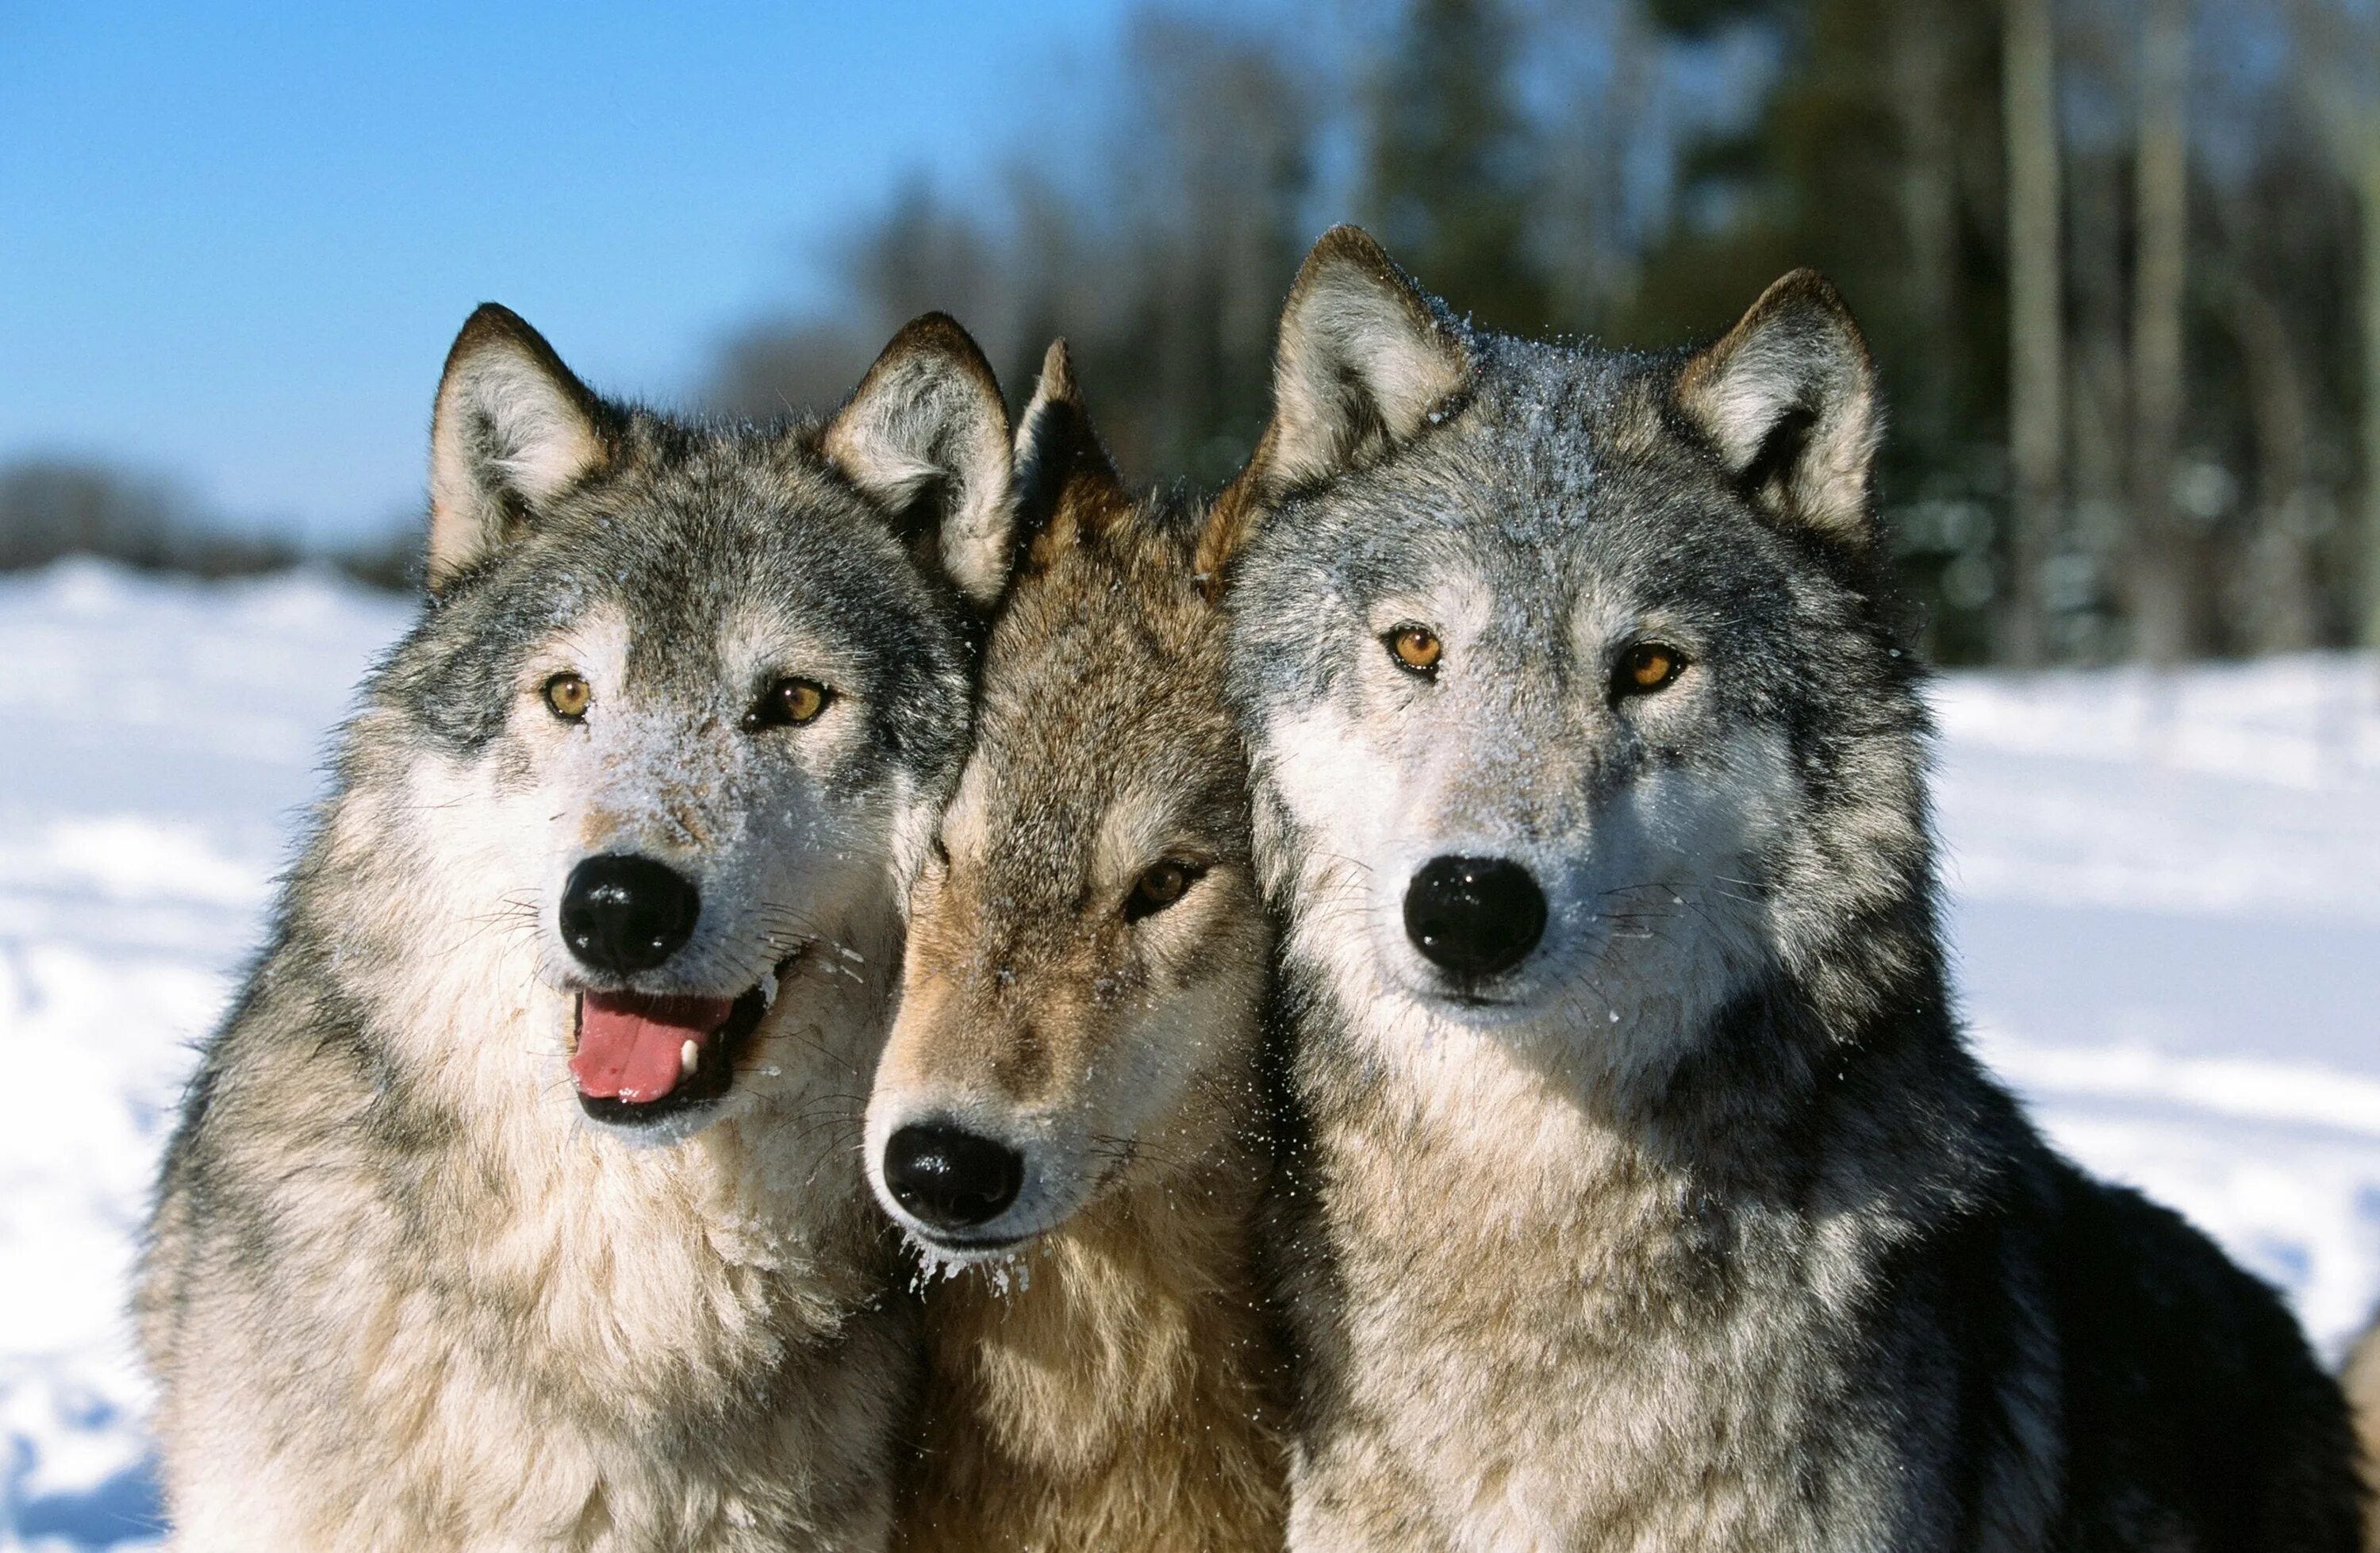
1364,357
513,429
1789,399
1067,489
926,434
1363,360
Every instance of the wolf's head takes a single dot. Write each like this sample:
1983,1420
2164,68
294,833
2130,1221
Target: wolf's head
1086,941
679,714
1574,708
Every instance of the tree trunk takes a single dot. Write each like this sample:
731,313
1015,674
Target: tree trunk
2278,594
2366,174
2162,576
2036,324
1927,188
2342,44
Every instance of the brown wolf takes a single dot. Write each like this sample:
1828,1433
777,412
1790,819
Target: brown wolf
1068,1096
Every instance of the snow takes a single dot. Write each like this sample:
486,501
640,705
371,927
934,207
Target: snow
158,744
2166,906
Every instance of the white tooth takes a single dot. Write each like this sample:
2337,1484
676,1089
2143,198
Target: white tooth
854,956
768,991
689,1057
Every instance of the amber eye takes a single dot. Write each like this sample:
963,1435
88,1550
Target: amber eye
1646,666
569,696
1416,649
789,702
1164,884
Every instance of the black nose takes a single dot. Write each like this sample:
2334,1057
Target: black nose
622,914
949,1179
1474,916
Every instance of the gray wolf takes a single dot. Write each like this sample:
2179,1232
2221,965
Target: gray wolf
507,1208
1641,1189
1074,1059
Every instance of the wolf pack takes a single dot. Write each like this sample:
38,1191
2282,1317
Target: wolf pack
861,985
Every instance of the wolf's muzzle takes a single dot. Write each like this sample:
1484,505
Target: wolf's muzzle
1474,917
622,913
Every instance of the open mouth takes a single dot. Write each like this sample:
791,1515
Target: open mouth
638,1058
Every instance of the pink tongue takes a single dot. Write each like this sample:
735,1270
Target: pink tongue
630,1047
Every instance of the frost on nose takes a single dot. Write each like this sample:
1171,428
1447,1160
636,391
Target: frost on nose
670,782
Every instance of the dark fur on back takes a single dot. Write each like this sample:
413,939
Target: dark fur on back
1699,1226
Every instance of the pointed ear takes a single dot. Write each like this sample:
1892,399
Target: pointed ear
1364,357
926,434
1067,489
1789,399
512,430
1362,362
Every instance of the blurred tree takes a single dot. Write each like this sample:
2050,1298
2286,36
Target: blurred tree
2036,325
2340,39
53,507
2279,276
918,257
2127,307
1163,258
1876,157
2039,211
2161,569
1454,169
786,366
1214,207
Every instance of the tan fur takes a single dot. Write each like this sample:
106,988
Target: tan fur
1111,1389
2362,1379
1113,1386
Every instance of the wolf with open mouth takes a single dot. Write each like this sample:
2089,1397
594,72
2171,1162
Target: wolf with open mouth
516,1205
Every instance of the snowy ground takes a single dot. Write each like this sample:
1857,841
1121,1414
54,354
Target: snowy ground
2166,909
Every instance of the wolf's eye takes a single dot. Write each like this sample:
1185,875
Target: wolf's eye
1416,649
569,696
788,702
1160,886
1647,666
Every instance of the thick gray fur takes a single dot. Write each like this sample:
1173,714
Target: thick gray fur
399,1292
1700,1227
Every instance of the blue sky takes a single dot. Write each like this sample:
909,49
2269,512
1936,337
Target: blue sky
236,239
